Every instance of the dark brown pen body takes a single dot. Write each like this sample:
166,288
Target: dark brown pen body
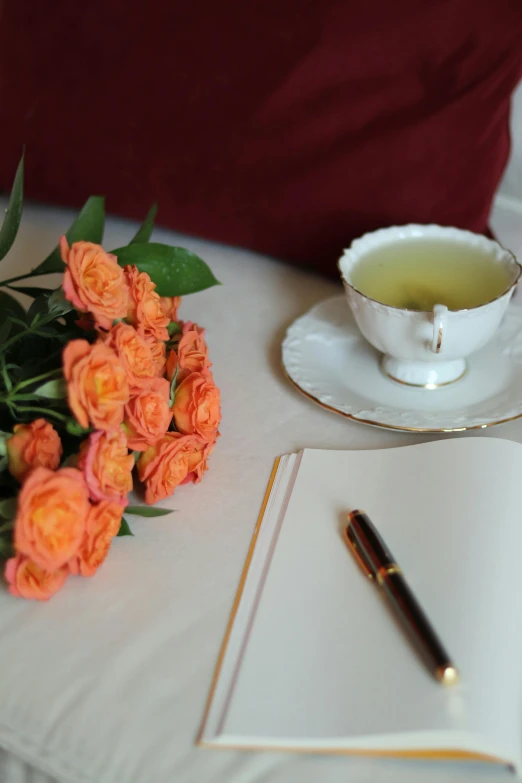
378,563
411,616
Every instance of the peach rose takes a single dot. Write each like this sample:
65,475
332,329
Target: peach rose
198,453
103,523
170,306
97,386
191,356
135,354
32,445
191,326
27,580
145,310
163,466
107,466
196,406
159,353
148,415
93,282
51,515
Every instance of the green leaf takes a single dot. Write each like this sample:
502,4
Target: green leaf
8,508
88,227
13,213
37,308
175,271
30,290
173,328
17,321
52,390
145,230
8,384
124,528
57,303
147,511
10,308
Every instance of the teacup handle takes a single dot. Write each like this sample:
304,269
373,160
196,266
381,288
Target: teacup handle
440,313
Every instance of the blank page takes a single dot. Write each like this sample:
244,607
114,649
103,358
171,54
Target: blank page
324,664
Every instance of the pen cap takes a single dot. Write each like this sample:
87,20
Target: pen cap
369,543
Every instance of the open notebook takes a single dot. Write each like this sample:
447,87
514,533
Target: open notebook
312,658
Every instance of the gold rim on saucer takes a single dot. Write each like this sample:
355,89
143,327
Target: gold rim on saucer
382,425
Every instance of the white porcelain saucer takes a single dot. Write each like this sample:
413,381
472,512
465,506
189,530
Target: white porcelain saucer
326,357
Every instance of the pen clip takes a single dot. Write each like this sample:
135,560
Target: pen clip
352,546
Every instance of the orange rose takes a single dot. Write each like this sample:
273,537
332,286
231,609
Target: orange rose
27,580
148,415
191,326
163,466
198,453
103,523
32,445
145,310
135,354
191,356
159,353
196,406
107,466
170,306
51,515
97,387
93,282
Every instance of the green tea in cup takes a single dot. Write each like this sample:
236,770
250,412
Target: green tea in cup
427,297
417,274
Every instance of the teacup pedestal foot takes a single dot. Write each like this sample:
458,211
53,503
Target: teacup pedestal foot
423,375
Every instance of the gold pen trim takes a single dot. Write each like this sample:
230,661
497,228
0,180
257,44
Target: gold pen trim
447,675
384,571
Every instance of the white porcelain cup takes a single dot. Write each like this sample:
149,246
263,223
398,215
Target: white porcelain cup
426,349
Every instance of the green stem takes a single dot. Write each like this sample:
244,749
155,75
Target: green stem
14,339
33,329
5,375
13,395
45,411
37,378
16,279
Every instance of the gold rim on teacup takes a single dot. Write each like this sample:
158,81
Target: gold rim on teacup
428,226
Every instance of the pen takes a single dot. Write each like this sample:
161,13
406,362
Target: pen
379,565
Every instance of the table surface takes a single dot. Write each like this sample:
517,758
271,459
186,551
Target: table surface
107,682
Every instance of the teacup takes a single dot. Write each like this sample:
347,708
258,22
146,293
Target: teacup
423,348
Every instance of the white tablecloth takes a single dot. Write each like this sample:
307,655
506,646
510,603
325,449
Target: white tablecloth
107,682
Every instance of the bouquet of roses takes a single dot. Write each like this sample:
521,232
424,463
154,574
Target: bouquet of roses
101,385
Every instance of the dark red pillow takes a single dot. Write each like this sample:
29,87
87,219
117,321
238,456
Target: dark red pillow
287,127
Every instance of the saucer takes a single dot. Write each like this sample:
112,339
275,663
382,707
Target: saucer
326,357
